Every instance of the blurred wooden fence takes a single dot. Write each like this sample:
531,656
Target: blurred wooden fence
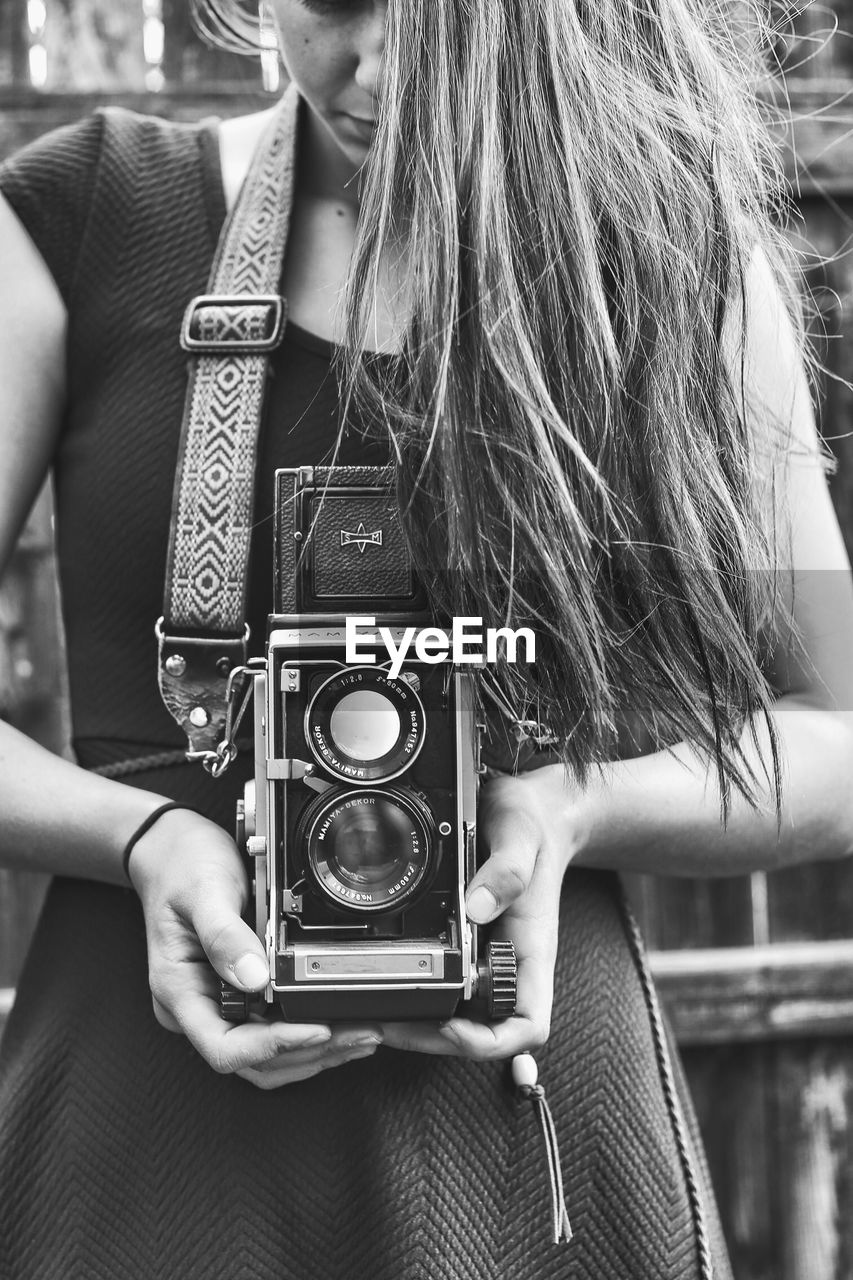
756,972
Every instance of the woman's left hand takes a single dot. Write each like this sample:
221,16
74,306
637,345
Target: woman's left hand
526,824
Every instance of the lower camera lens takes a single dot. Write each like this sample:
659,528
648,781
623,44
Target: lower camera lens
369,844
369,849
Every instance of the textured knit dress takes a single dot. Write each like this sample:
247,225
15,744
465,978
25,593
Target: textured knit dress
123,1156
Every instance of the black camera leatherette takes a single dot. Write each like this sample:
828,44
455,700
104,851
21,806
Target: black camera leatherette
287,548
339,541
354,477
348,562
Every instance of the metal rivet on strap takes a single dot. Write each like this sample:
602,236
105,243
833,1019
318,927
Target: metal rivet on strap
176,665
223,666
199,717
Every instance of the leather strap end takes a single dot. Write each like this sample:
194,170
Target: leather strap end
193,675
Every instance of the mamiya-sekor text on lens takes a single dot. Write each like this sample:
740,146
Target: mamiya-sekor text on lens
360,824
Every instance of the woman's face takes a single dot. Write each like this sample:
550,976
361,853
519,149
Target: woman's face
332,50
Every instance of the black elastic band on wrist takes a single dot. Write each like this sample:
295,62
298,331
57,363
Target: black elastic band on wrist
141,831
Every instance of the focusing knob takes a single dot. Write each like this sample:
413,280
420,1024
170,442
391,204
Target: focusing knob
233,1004
500,971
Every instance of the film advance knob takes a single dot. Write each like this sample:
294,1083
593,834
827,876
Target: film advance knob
502,979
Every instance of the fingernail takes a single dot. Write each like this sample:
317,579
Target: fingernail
363,1042
450,1033
361,1050
318,1037
481,905
251,972
287,1043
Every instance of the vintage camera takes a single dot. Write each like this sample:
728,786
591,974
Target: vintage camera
360,824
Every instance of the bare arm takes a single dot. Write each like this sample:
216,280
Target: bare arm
661,813
58,818
84,828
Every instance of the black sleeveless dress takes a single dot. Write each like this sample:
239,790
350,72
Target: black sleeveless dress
122,1155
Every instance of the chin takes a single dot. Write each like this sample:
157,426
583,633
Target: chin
358,155
355,153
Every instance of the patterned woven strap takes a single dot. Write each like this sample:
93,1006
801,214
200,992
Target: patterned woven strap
229,333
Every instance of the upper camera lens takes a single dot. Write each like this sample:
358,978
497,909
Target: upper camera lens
364,725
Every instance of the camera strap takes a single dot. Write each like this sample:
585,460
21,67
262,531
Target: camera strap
228,334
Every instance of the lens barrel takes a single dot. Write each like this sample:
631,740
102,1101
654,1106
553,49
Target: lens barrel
368,849
363,726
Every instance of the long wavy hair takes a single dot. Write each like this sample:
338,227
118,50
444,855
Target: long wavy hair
577,189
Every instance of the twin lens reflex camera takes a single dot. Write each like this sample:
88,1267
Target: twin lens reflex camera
359,827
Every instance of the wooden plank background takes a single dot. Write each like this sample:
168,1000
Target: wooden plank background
756,972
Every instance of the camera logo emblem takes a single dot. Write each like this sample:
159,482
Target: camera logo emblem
361,538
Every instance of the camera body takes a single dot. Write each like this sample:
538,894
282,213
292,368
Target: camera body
360,823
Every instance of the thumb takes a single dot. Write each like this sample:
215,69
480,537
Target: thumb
508,870
231,946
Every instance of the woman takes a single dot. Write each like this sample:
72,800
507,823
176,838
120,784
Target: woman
551,214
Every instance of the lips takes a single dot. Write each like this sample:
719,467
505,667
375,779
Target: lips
362,127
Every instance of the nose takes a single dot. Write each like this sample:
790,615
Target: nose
371,50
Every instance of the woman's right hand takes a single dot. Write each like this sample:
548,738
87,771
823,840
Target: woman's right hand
193,887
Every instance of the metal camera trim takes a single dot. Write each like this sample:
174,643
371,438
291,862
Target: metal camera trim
363,773
409,802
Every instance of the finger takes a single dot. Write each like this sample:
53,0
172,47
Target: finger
513,846
342,1042
164,1017
231,946
419,1037
533,929
301,1065
532,925
535,937
269,1081
349,1034
229,1048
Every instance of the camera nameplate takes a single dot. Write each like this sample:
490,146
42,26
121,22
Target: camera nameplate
330,637
356,963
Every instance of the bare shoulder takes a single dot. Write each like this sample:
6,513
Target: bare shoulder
32,373
767,358
814,623
766,353
238,138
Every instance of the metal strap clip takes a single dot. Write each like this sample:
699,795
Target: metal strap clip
216,762
534,731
